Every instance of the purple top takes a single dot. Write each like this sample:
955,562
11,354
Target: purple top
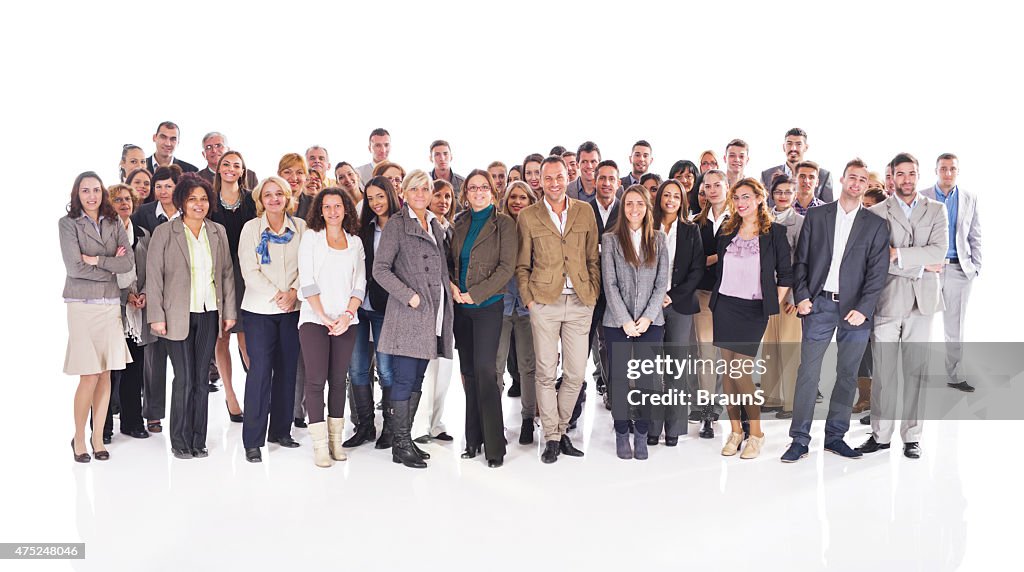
741,270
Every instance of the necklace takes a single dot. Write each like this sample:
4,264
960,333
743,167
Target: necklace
234,206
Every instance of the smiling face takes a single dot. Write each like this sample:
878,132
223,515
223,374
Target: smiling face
90,193
517,201
348,179
571,166
855,182
314,183
736,158
133,159
141,185
163,190
479,193
394,174
274,199
904,176
513,176
296,177
419,197
317,161
746,201
166,140
686,178
634,206
123,205
588,161
441,202
333,209
641,159
607,183
531,174
783,196
197,205
554,177
794,147
707,163
498,176
230,168
671,201
377,200
213,150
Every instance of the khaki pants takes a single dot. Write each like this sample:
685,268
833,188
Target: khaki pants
704,331
566,321
782,344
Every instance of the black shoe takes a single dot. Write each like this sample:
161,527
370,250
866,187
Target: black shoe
442,436
565,446
870,446
652,440
362,401
362,435
962,386
200,453
136,433
214,388
772,409
707,430
671,441
422,439
386,439
181,453
515,390
234,417
550,454
495,463
866,420
695,416
470,452
526,432
399,417
253,455
784,415
107,439
83,458
912,450
285,441
300,423
422,454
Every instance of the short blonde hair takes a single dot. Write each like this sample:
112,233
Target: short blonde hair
416,178
257,194
292,161
119,188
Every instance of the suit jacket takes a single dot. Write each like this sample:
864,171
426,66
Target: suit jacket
612,216
627,181
633,292
492,257
185,167
687,268
86,281
546,257
922,240
169,277
823,192
378,296
968,230
145,217
863,268
776,266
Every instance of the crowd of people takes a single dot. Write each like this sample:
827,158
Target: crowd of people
334,280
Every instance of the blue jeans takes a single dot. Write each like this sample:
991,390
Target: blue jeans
408,377
359,368
818,327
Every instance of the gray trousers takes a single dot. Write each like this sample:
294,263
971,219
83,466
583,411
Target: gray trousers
300,387
155,380
956,288
891,338
672,418
520,325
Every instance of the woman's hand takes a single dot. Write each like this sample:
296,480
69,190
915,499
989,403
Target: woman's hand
137,300
630,329
642,324
121,251
456,294
90,260
466,299
340,326
667,302
286,300
159,328
788,308
228,324
414,302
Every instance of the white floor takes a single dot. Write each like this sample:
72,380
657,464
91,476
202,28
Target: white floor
145,510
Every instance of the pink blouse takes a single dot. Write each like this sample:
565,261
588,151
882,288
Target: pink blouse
741,270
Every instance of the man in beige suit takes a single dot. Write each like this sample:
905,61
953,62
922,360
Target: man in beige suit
559,280
911,297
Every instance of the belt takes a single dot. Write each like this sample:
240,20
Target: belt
834,296
953,260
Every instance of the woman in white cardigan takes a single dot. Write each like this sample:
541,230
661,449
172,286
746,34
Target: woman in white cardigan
332,280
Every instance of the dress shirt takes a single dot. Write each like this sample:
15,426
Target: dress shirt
952,209
160,212
634,237
605,213
559,220
844,222
670,243
907,211
203,297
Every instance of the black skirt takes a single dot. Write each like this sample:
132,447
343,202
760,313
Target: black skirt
739,324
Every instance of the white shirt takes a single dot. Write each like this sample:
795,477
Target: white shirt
160,211
670,242
605,213
844,222
716,223
338,275
559,220
203,296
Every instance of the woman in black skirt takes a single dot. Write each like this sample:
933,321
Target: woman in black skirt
753,275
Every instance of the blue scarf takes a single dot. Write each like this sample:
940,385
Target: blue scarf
263,250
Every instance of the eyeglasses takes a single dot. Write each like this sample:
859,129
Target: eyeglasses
211,147
121,199
477,189
783,193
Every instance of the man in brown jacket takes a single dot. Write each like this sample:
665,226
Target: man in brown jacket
559,280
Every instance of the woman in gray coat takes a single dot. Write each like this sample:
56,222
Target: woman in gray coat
634,267
411,265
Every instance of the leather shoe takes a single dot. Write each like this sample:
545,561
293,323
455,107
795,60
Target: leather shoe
652,440
285,441
136,433
550,454
771,409
962,386
442,436
200,453
870,446
234,417
526,432
495,463
694,416
515,390
300,423
819,398
83,458
565,446
671,441
422,439
181,453
107,439
253,455
794,453
839,447
470,452
866,420
214,387
784,415
912,450
707,431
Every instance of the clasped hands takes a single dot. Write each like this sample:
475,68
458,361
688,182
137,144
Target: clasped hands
637,328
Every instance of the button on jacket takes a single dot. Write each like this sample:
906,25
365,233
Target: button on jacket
492,258
86,281
546,257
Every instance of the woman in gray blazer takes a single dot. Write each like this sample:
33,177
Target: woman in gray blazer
191,291
411,264
95,249
634,267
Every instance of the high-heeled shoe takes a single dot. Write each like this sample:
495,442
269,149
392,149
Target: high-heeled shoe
471,451
83,458
103,455
234,417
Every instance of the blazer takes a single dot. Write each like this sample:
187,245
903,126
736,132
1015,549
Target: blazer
145,216
546,257
169,277
776,266
140,243
687,268
185,167
922,240
823,192
574,190
86,281
612,216
492,258
633,292
968,230
710,243
863,267
408,262
378,296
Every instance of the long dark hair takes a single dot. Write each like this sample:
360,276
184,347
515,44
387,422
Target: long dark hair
75,206
315,218
648,240
659,215
368,216
243,186
124,154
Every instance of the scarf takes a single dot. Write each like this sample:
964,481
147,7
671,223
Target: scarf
263,250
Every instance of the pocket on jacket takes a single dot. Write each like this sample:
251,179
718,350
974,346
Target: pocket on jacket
542,276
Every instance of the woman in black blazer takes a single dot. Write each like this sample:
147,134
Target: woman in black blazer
753,275
686,261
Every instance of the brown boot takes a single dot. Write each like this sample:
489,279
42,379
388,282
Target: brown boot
864,399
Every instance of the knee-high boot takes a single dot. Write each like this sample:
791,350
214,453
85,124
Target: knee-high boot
414,404
386,433
362,402
401,446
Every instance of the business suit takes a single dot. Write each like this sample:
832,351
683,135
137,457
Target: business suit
596,339
909,300
823,192
155,353
861,277
957,276
190,336
185,167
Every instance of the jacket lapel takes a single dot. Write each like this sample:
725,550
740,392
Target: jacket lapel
896,215
213,235
573,212
488,229
858,223
178,231
545,217
830,232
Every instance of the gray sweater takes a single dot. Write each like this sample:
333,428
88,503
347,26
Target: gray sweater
630,292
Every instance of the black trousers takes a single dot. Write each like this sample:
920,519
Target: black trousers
478,331
273,344
155,380
190,390
129,384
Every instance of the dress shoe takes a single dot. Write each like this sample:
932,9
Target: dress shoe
102,455
285,441
550,454
753,447
784,415
571,426
652,440
300,423
863,395
214,388
819,398
962,386
470,452
495,463
910,451
870,446
420,452
794,453
234,417
732,444
515,390
107,439
623,449
565,446
671,441
770,409
707,431
526,432
181,453
866,420
839,447
253,455
422,439
442,436
200,453
83,458
136,433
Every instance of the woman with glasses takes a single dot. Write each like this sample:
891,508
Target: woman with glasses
392,172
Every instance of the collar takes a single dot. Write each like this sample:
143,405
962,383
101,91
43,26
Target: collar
156,165
943,196
565,198
615,201
160,211
850,215
289,222
430,215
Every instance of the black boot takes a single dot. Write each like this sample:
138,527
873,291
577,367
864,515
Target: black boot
385,439
401,447
414,403
707,430
362,403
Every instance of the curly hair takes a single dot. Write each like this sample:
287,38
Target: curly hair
764,216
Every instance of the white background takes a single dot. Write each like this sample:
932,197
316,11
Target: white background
497,80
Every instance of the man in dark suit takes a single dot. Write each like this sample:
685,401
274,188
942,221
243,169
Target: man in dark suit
641,156
840,267
166,139
606,212
794,147
215,144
